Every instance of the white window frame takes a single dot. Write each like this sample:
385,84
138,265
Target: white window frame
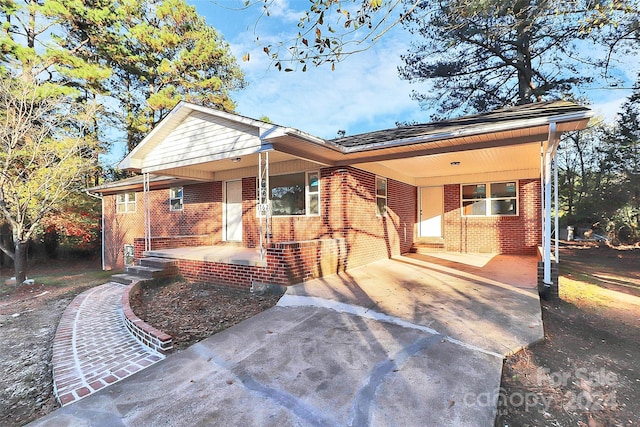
127,205
307,195
172,198
384,197
488,199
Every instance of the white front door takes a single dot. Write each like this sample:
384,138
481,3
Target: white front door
233,211
431,211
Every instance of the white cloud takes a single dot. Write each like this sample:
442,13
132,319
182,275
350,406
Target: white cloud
364,93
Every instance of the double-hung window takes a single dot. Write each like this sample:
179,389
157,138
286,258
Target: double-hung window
126,202
295,194
176,198
490,199
381,196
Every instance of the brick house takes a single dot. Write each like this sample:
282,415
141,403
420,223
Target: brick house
307,207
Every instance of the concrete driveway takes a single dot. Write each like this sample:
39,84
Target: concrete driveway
411,341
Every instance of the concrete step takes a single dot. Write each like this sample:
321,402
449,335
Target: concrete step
157,262
125,279
147,272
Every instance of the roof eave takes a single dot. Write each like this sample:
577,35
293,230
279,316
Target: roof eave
477,130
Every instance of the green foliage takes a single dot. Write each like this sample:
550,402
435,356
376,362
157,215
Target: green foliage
74,223
622,161
42,142
72,71
483,55
599,175
160,53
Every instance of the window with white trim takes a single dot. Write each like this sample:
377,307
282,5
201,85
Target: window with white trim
176,198
381,196
501,199
295,194
126,202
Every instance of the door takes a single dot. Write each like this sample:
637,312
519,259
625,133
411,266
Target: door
431,211
233,211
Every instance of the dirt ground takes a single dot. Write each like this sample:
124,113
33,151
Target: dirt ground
191,312
587,371
29,317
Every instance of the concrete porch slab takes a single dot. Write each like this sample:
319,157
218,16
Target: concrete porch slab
500,315
217,253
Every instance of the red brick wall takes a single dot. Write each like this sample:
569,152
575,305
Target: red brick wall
287,263
348,210
508,234
371,237
120,229
201,215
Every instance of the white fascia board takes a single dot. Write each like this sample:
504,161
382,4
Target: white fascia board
263,126
314,139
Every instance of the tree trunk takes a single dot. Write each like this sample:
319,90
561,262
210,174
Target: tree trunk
20,261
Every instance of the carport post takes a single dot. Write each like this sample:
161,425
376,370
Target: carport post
547,218
556,209
549,155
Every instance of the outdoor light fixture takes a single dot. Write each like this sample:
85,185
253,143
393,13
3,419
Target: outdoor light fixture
236,159
455,163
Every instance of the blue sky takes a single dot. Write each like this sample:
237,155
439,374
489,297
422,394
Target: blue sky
363,94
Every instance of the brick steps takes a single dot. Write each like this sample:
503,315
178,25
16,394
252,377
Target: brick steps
92,348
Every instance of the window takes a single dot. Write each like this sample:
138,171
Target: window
502,199
313,193
295,194
126,202
381,196
176,198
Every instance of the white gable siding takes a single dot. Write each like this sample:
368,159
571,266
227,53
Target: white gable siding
201,138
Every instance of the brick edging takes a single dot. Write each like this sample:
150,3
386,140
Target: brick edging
149,336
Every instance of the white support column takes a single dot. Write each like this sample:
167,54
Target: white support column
556,209
264,205
549,155
147,211
542,210
547,218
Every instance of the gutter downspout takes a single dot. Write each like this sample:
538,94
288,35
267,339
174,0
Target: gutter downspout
104,267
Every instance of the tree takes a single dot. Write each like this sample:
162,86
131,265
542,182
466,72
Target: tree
579,160
330,30
622,161
482,55
41,157
161,52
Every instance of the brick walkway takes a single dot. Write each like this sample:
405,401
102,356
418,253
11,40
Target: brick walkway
92,348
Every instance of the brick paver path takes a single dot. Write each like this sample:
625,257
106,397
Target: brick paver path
92,347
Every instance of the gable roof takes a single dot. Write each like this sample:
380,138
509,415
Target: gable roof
197,143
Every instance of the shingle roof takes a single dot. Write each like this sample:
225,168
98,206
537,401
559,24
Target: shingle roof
529,111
